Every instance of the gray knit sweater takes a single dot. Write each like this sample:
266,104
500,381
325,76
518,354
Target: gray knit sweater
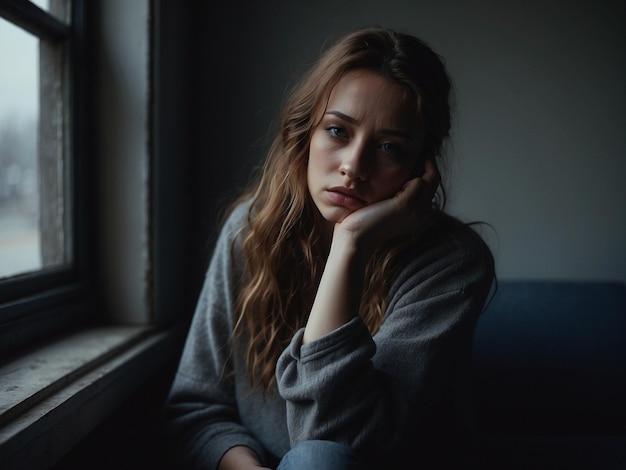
378,394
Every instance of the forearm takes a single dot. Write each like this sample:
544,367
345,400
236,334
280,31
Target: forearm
339,293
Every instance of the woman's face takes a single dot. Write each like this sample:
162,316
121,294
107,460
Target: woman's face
365,147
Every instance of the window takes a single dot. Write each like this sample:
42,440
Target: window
43,177
121,341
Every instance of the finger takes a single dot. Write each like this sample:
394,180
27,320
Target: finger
411,190
431,173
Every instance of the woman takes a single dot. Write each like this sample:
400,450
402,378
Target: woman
338,310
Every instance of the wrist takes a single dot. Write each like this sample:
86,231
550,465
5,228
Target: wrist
349,246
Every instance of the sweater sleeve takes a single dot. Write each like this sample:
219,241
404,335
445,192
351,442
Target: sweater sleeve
201,410
367,392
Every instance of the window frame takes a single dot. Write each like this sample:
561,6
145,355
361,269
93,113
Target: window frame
39,305
125,299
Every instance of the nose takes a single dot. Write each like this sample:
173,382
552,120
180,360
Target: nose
354,162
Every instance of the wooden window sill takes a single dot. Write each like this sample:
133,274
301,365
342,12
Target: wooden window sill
55,395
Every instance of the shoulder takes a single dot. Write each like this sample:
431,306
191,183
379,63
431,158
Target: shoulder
449,256
451,240
236,218
458,240
234,226
227,248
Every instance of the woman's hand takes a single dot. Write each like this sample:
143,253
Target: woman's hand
398,215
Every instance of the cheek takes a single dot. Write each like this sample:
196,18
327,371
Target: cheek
320,157
391,181
314,170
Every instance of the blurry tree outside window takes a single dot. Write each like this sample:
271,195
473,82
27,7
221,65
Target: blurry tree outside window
34,147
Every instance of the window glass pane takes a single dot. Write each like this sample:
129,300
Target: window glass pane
32,156
19,120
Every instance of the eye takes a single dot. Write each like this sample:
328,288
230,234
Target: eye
337,132
391,148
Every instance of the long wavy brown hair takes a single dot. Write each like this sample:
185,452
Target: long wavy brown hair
281,241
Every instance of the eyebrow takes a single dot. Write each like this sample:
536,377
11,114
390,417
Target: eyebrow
393,132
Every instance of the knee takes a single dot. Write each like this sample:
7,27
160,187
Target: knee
319,454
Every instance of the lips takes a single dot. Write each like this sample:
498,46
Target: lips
346,197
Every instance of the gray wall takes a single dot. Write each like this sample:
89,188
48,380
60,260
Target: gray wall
538,147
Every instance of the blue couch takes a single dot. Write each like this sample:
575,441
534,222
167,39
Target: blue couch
549,375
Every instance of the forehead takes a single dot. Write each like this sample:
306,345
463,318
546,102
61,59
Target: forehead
369,97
